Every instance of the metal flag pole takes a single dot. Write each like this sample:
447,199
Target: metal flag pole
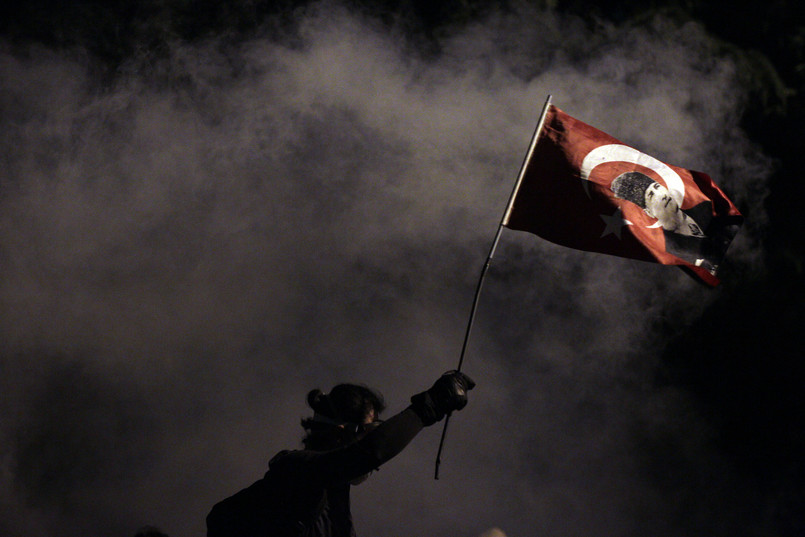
485,268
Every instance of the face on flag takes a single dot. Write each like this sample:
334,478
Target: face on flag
584,189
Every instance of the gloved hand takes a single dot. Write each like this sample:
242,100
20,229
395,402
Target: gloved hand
447,394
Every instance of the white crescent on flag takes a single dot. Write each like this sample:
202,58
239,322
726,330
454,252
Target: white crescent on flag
624,153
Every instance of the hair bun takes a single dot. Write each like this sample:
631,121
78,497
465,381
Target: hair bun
315,399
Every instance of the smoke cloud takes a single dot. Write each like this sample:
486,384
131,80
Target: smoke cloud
184,253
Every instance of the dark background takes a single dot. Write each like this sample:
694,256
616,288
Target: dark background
742,362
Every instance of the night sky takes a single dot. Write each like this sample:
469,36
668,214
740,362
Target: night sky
208,210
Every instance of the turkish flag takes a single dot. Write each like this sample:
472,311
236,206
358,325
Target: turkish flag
584,189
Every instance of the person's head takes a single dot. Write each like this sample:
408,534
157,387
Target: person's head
341,416
650,195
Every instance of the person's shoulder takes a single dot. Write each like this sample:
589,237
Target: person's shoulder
279,456
293,469
290,458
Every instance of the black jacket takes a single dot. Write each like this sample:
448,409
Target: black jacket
305,493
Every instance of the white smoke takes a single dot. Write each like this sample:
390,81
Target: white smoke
186,253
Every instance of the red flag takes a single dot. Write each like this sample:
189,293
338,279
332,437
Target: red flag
584,189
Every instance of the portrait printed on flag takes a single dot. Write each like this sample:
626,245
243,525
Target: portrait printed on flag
691,234
584,189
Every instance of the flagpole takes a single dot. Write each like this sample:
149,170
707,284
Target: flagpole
485,268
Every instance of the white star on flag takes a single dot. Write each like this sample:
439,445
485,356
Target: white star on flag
614,223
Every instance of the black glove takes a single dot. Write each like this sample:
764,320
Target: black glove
449,393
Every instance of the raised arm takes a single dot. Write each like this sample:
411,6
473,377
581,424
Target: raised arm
385,441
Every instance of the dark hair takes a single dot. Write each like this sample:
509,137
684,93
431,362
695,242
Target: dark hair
632,186
346,403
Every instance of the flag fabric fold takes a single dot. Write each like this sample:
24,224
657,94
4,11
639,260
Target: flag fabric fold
584,189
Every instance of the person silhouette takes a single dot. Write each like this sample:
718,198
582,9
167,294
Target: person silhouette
306,492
